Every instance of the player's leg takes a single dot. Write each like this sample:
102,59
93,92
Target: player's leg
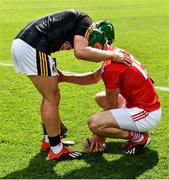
102,102
117,123
121,101
40,68
45,145
48,87
105,124
49,90
100,99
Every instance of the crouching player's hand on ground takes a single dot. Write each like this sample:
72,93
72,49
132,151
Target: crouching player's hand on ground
95,144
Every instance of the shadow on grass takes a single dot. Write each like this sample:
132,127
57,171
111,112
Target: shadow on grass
125,167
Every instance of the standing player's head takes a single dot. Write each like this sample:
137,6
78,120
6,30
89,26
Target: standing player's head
107,28
97,36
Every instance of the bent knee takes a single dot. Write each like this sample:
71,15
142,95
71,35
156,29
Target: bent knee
100,99
97,99
93,124
99,96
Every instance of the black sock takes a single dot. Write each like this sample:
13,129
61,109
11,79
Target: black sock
44,129
54,141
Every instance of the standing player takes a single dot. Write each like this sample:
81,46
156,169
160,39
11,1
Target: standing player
130,116
31,52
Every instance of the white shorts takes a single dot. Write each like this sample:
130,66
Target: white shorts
30,61
136,119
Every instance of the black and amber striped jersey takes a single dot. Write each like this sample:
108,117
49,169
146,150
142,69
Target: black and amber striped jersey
49,33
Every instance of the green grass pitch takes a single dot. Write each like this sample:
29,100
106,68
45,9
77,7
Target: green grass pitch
142,28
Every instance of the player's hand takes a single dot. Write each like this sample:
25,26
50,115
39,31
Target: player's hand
122,58
95,144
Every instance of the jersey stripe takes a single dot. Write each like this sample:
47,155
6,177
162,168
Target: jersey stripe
89,31
43,65
48,65
38,63
139,116
140,69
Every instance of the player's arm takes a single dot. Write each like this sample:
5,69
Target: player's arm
83,51
81,78
112,98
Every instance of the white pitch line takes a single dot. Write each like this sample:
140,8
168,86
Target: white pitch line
8,65
157,87
162,88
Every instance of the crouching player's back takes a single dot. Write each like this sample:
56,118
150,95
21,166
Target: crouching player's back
133,82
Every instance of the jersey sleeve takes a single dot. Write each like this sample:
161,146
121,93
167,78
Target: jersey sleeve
85,27
111,79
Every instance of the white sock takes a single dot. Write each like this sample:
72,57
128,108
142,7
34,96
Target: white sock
58,148
46,138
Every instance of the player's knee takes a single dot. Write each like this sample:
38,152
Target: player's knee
121,101
100,99
92,124
97,98
52,97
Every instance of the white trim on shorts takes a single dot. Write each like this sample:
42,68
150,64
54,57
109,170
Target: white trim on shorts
136,119
30,61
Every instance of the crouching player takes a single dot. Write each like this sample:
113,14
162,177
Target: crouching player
131,104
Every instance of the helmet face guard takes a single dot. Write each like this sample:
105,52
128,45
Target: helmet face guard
107,28
97,36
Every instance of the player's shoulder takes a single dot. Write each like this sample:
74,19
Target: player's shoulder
109,65
74,12
69,13
117,49
112,64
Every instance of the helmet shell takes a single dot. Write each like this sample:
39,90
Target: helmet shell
97,36
107,28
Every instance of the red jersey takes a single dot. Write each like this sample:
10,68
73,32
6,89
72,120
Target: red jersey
133,82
